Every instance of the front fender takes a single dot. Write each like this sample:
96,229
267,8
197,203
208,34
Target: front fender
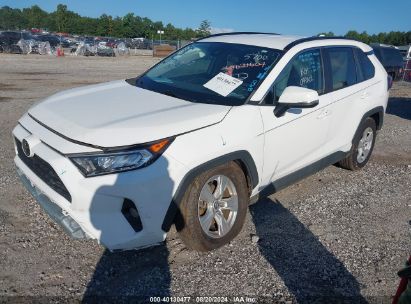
243,156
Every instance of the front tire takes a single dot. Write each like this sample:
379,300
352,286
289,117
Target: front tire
213,208
363,145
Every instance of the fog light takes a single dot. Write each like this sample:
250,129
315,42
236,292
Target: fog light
130,212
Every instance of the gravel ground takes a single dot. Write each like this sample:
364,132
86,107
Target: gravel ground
335,235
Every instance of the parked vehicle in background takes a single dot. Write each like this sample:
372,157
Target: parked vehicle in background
88,40
65,43
105,51
53,40
405,51
138,43
14,36
391,59
407,70
9,40
221,122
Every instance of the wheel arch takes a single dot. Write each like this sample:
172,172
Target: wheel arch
377,114
351,161
242,158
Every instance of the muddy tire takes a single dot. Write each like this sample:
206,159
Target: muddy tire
213,208
362,147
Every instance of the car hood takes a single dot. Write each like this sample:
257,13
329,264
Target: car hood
117,114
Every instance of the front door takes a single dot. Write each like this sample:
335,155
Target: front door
295,139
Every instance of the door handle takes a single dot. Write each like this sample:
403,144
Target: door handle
365,95
324,114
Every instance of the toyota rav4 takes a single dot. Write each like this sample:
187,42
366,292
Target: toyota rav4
196,138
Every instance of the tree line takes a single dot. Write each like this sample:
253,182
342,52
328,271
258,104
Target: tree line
393,38
130,25
65,21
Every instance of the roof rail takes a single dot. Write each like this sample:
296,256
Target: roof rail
313,38
236,33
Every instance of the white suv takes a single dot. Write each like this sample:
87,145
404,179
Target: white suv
193,140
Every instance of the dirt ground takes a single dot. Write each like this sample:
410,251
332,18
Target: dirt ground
335,235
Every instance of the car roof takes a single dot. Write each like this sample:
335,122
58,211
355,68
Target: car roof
280,42
273,41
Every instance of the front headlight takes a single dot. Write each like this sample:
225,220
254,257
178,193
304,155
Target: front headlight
119,161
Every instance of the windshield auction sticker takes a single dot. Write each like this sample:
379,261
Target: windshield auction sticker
223,84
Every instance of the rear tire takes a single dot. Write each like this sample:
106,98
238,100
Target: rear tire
362,147
213,208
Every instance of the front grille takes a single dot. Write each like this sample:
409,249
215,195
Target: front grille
44,171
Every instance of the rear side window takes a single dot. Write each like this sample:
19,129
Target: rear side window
304,70
343,69
365,67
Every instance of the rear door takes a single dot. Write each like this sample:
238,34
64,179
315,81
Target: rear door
349,83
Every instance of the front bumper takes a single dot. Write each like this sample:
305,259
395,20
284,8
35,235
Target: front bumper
70,226
97,204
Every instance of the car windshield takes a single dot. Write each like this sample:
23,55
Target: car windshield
211,72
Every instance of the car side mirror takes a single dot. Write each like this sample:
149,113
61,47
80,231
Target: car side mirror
296,97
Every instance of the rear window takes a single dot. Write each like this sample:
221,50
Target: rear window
343,69
366,69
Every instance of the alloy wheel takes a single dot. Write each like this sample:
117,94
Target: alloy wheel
217,206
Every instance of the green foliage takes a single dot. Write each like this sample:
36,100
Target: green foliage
329,34
393,38
64,20
12,18
205,29
34,16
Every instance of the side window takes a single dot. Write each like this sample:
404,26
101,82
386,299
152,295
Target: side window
367,69
304,70
343,71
